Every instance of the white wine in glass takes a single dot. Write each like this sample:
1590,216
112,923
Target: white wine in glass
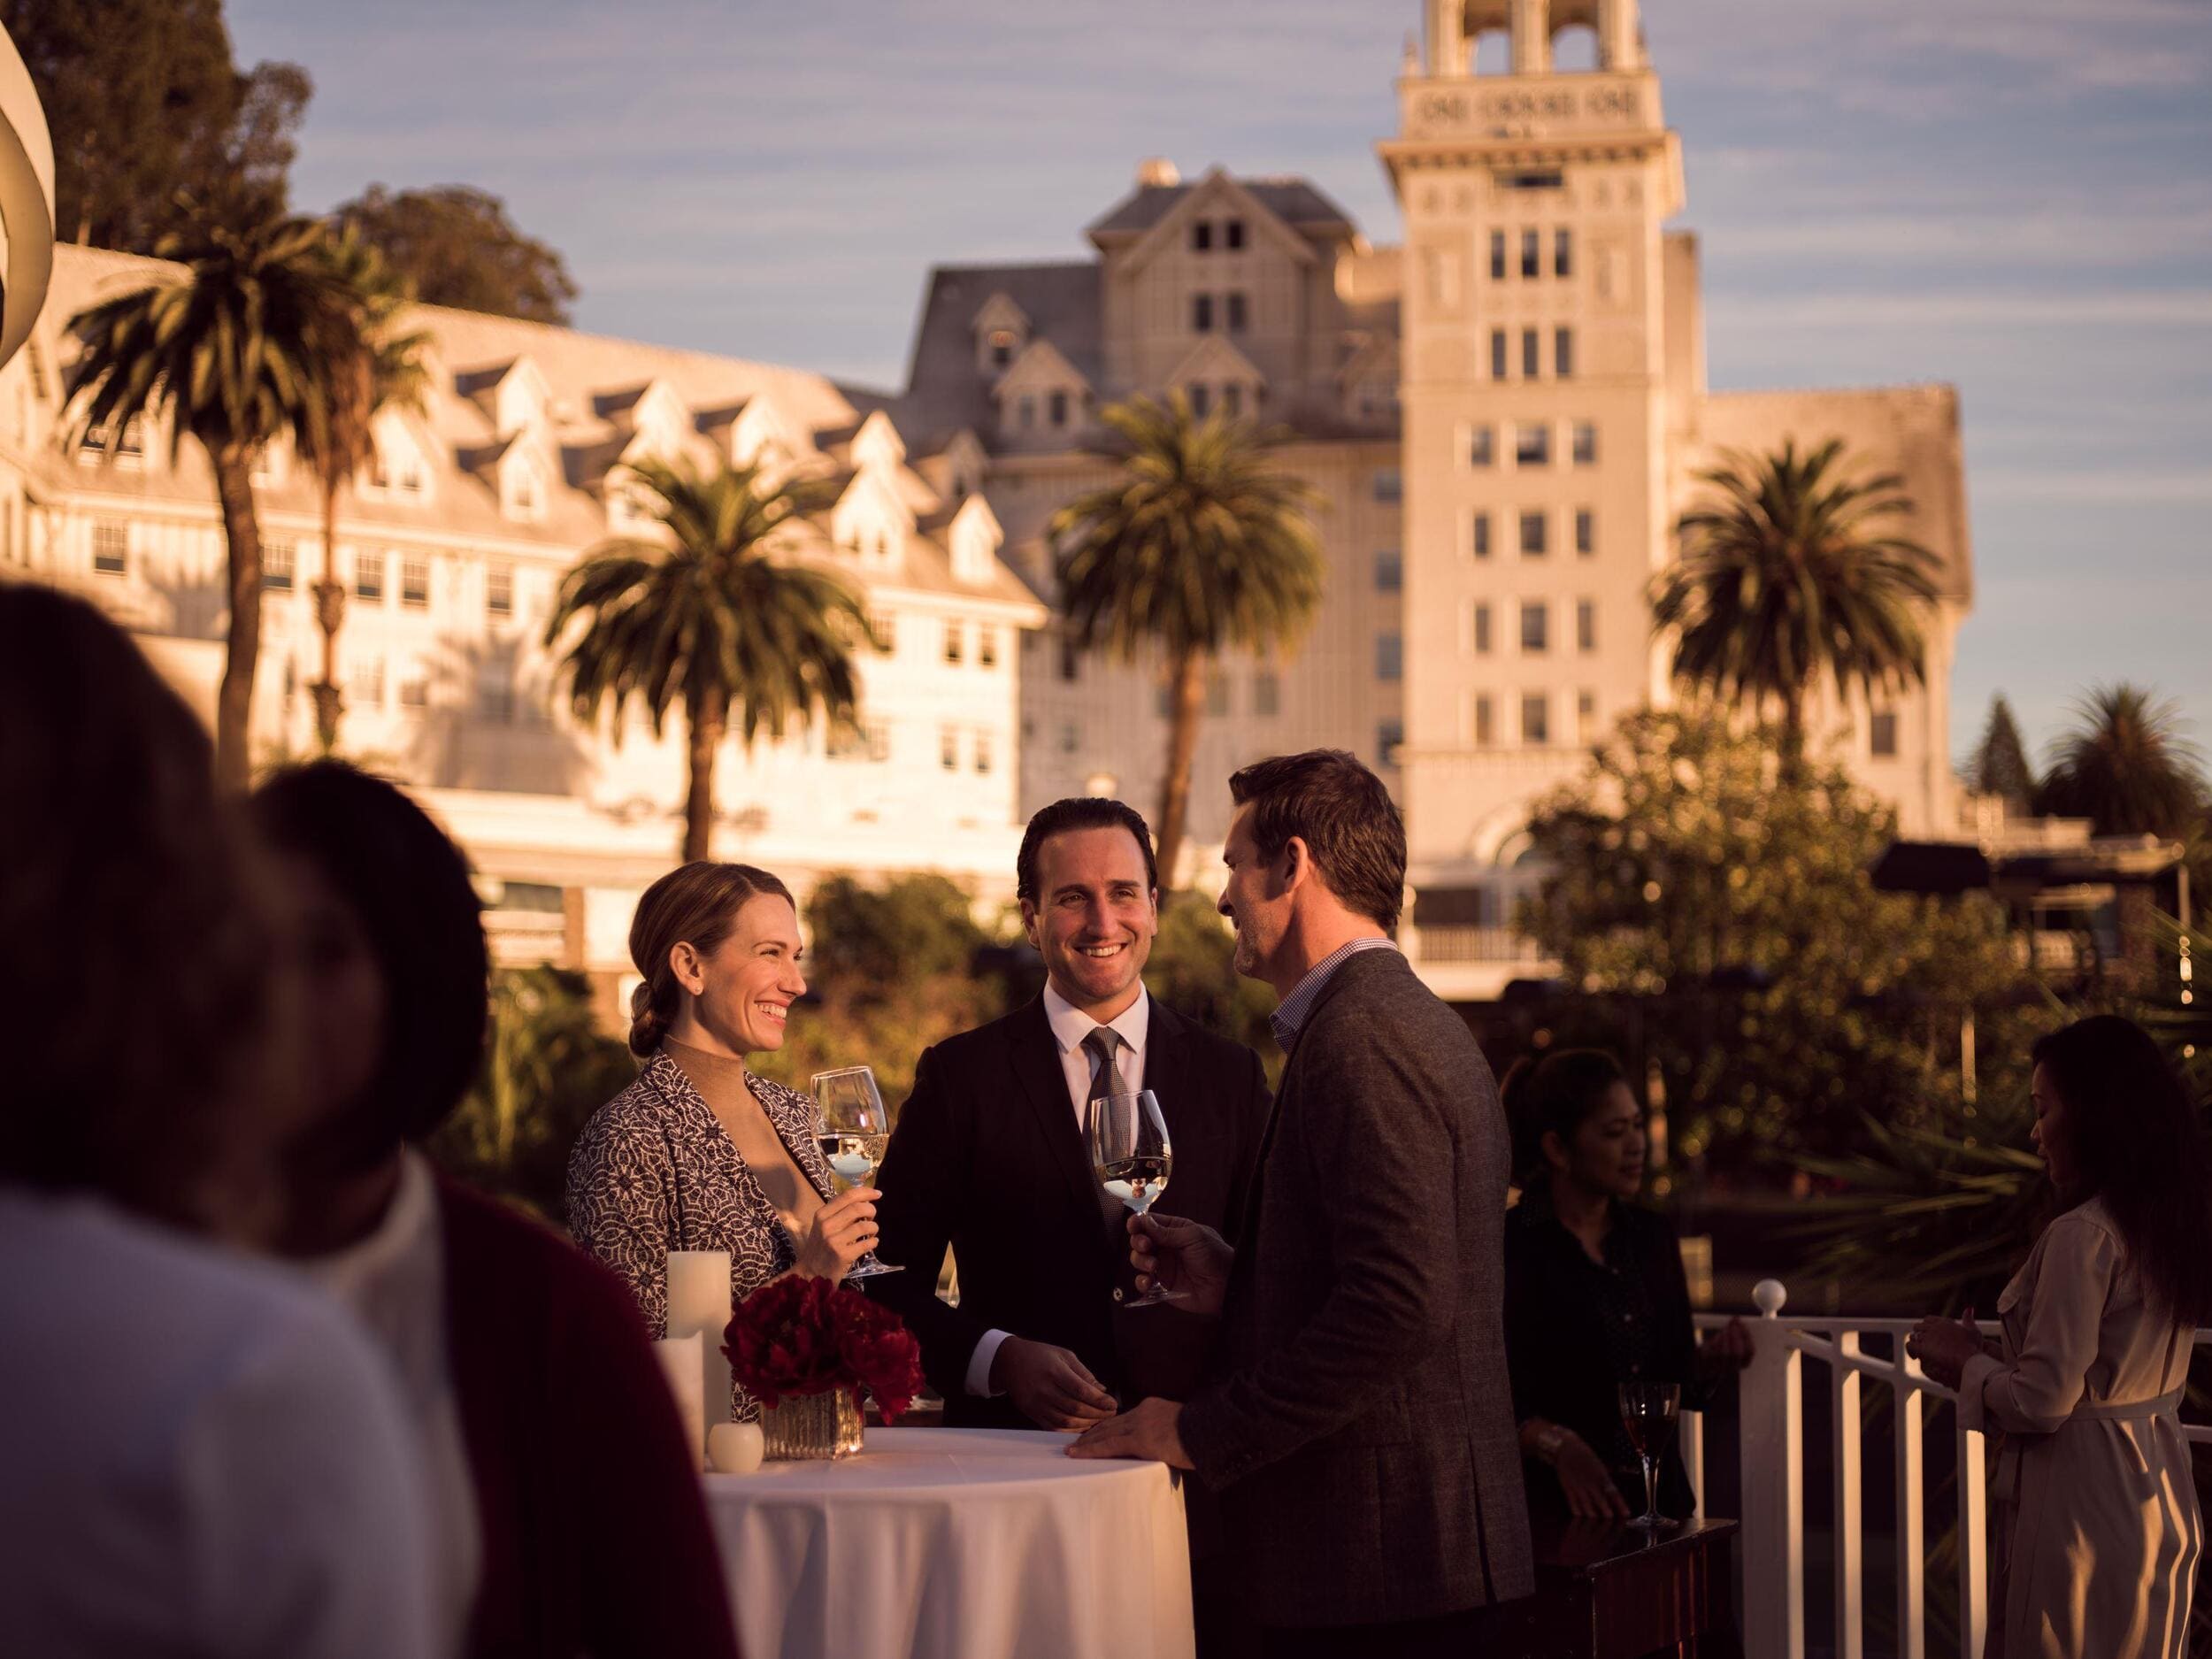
1127,1139
853,1130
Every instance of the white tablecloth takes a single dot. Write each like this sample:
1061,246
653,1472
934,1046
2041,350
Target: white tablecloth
955,1544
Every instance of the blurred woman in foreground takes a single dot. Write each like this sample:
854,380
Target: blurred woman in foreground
2096,1533
198,1454
568,1511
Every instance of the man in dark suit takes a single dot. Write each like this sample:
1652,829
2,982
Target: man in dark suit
988,1156
1358,1422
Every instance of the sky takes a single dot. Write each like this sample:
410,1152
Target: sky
2012,195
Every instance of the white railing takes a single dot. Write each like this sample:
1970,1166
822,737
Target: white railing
1771,1445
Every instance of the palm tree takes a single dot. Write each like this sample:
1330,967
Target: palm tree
2126,767
370,369
713,620
1788,577
231,351
1201,543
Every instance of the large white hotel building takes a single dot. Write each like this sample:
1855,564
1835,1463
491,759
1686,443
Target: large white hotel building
1503,416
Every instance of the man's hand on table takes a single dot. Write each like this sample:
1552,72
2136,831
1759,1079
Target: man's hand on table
1050,1385
1148,1431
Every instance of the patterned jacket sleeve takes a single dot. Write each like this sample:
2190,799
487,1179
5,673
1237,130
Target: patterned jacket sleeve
622,1204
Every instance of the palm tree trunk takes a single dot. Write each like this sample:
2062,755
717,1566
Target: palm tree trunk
234,699
1188,683
706,720
330,611
1793,732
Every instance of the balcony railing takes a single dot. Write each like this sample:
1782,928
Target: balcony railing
1771,1447
1476,944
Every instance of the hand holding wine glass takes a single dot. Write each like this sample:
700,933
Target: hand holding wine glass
853,1130
1127,1139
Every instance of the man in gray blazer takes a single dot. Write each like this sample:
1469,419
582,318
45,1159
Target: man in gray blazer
1358,1422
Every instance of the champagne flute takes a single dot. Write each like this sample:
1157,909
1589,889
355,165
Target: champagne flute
1127,1139
853,1130
1648,1412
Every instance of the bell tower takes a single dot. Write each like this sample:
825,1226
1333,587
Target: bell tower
1533,383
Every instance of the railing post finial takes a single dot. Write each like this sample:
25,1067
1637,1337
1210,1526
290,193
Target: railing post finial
1768,1294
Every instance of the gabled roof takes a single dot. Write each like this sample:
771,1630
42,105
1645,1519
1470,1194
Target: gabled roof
1042,364
1000,311
944,391
1215,358
1295,201
1215,188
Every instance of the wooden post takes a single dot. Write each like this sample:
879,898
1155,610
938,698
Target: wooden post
1772,1447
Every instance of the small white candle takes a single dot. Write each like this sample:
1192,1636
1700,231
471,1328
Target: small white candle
679,1364
699,1302
734,1449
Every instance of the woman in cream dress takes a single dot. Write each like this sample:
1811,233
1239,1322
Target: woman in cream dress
2097,1534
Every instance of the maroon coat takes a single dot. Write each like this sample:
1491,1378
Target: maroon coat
594,1530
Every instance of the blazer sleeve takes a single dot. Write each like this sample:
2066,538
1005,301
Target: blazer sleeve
925,1180
1371,1129
655,1585
1253,1103
2036,1389
622,1206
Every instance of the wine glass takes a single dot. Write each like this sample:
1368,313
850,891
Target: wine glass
1648,1412
1130,1153
853,1130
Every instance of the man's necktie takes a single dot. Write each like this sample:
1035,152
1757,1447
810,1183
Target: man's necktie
1103,1043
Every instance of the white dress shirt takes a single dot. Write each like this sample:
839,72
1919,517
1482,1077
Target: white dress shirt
200,1454
1069,1026
394,1282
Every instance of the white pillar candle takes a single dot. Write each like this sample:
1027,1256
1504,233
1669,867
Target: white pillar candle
734,1449
699,1301
686,1379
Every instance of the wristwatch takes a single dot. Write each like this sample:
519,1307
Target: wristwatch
1549,1439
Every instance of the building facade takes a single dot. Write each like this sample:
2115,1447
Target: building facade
1502,419
451,545
1505,417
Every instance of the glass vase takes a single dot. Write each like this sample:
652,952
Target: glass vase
823,1425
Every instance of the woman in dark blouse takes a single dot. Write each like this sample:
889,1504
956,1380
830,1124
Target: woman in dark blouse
1594,1292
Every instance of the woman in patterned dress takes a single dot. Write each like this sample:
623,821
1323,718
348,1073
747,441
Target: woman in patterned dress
699,1154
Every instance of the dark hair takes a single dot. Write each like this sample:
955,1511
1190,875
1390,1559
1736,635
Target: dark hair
408,887
2134,1138
1344,815
1553,1096
1079,812
138,975
695,904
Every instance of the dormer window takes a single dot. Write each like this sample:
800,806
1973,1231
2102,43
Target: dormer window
1201,397
410,477
1027,411
1001,347
1056,408
1201,236
1232,235
1232,400
379,473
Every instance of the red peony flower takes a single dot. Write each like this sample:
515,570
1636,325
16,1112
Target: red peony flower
800,1336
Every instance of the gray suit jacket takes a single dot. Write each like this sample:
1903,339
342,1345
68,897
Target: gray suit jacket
1360,1425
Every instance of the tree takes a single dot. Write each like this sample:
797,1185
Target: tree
2126,767
1999,766
231,352
1786,578
149,112
1727,897
371,367
547,1069
713,620
458,248
868,940
1199,544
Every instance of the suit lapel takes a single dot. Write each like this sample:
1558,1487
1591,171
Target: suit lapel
1035,1059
